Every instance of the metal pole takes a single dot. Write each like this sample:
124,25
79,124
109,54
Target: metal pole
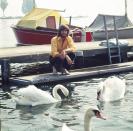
126,8
59,21
117,42
70,20
106,32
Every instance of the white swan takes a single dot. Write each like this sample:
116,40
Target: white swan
33,96
91,112
112,89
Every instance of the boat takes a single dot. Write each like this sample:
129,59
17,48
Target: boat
123,33
124,27
38,36
111,26
40,25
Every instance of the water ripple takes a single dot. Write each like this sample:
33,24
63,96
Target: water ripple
71,111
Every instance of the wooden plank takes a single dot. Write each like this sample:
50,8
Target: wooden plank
75,74
45,49
41,52
130,54
40,49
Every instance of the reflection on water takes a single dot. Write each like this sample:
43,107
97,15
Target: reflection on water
119,114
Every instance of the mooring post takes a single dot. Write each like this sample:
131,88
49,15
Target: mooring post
5,70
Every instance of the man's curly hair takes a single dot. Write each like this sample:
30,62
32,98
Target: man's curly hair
63,27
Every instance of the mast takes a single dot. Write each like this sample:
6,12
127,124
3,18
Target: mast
34,4
126,8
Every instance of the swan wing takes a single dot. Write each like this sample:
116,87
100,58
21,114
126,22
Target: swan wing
20,100
66,128
114,89
31,95
118,89
45,97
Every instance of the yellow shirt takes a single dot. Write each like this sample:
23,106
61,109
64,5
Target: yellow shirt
57,45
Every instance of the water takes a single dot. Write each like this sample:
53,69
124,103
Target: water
7,37
50,118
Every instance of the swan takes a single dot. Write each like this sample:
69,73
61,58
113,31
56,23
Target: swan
33,96
91,112
112,89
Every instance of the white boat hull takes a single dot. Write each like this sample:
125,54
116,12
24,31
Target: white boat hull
124,33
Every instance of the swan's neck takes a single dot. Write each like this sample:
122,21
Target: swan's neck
55,94
104,90
87,120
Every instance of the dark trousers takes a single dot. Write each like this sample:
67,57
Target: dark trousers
59,63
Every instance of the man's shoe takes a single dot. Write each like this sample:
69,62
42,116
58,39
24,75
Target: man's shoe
55,71
65,72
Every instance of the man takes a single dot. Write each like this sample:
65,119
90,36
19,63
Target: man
62,51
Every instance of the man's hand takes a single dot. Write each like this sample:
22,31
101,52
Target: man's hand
70,62
63,54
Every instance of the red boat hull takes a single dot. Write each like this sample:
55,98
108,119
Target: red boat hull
41,36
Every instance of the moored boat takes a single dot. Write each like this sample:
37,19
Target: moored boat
124,27
123,33
28,36
40,25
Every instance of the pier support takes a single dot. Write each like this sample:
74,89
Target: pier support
79,60
5,71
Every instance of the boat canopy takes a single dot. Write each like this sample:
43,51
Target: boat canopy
42,17
121,22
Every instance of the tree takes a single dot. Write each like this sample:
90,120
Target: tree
28,5
3,5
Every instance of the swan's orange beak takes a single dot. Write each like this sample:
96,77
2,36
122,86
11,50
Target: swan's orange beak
98,115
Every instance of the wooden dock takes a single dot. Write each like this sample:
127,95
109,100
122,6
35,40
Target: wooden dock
50,78
93,55
34,53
